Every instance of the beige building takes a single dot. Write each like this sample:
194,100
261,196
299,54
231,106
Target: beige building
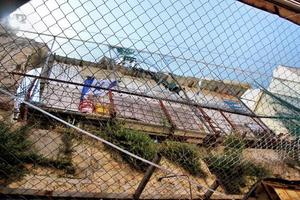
148,104
285,84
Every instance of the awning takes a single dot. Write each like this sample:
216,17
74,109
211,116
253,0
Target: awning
288,9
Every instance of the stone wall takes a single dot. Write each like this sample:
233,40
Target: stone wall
100,169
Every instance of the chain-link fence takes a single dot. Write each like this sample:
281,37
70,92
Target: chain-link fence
146,99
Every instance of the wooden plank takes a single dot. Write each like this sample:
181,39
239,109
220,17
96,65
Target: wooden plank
268,189
283,195
6,192
190,133
294,194
213,187
136,125
168,116
228,121
112,110
148,128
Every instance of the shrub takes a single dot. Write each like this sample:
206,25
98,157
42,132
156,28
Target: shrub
65,160
229,167
234,143
15,152
67,137
133,141
14,148
184,154
251,169
227,171
231,171
61,163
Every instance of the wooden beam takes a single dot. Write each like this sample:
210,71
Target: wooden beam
168,116
212,188
146,177
228,121
8,193
112,109
208,120
263,126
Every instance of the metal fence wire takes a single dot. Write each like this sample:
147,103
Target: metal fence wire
174,99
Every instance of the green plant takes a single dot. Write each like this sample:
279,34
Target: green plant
227,171
65,160
14,148
234,143
251,169
67,138
61,163
133,141
184,154
230,168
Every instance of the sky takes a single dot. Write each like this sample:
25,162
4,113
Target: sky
213,39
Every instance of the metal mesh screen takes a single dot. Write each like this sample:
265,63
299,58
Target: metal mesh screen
146,99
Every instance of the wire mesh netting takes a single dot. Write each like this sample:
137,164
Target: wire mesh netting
146,99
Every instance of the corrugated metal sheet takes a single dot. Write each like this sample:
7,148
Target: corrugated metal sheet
244,123
203,97
61,97
65,72
146,86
